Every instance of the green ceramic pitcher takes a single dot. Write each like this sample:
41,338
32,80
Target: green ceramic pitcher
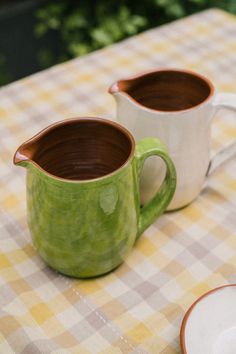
83,194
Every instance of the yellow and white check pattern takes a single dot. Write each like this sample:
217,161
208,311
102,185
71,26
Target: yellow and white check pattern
139,307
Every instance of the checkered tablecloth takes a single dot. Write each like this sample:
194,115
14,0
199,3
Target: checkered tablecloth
139,307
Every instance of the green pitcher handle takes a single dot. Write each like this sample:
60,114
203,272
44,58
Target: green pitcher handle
156,206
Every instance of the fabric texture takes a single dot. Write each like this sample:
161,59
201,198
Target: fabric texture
138,308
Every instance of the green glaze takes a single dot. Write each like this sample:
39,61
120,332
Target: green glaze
87,228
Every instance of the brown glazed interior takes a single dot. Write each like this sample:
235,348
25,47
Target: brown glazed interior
80,149
168,90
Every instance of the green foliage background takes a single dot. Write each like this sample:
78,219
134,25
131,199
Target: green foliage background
65,29
85,26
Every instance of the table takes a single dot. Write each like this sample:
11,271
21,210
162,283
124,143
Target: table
139,307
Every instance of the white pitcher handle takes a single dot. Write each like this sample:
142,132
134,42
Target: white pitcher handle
228,101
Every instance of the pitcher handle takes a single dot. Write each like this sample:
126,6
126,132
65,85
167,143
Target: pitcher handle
156,206
223,100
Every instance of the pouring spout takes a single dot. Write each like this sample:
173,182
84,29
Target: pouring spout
121,87
114,88
127,86
23,155
18,158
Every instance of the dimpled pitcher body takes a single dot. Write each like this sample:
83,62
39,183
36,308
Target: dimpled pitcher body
72,224
83,199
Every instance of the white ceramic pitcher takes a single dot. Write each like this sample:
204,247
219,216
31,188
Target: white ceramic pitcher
176,106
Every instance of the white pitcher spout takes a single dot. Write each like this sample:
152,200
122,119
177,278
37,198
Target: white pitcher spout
120,90
114,88
121,87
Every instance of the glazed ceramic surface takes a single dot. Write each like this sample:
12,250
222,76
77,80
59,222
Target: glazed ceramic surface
83,193
176,106
209,327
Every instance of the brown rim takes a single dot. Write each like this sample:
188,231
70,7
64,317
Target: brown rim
111,123
188,313
114,88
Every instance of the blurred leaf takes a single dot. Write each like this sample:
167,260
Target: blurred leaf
101,36
76,20
40,29
55,9
78,49
176,10
135,23
232,6
49,18
54,23
164,3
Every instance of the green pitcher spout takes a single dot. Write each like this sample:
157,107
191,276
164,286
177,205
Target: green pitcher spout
24,154
27,153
